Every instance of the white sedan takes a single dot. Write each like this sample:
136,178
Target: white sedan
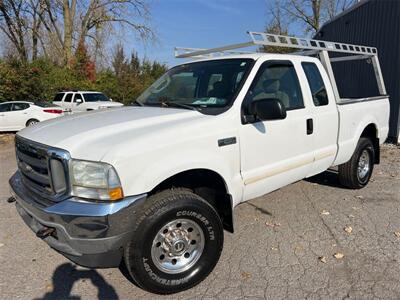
16,115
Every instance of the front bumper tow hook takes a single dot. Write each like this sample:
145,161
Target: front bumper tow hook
45,232
11,199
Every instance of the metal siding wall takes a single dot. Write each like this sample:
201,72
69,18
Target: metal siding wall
375,23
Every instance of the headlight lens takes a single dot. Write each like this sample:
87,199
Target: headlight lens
95,180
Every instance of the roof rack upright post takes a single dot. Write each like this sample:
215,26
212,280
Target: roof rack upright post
325,60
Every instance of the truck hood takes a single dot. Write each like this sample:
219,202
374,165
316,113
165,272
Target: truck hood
91,135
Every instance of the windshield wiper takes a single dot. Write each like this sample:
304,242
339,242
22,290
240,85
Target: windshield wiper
180,105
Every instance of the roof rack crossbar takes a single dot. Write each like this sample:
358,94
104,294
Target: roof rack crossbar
180,51
266,39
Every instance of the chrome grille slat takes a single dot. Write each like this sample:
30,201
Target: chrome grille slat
33,163
35,176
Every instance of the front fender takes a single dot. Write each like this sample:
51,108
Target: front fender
141,175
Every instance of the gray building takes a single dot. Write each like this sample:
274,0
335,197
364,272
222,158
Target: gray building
370,23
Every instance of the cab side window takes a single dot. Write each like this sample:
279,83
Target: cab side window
19,106
68,97
276,80
316,83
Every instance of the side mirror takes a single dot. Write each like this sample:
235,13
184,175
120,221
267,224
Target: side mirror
268,109
78,101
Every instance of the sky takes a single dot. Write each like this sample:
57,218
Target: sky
199,24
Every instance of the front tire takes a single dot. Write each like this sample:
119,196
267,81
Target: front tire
356,173
176,243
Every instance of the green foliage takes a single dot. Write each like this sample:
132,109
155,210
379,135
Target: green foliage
42,79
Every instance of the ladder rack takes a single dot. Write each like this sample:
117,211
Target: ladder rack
266,39
306,47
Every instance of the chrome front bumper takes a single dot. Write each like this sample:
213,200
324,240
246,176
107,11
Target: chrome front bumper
88,233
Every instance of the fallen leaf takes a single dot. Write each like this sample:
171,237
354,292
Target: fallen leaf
49,287
348,229
246,275
272,224
338,255
380,173
351,216
397,233
325,212
360,197
1,245
322,259
274,248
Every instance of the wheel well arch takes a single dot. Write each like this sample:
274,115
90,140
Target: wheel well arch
371,132
209,185
30,119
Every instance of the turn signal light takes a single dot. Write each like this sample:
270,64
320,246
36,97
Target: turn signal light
116,194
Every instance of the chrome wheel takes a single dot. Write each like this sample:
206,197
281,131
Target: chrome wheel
177,246
363,165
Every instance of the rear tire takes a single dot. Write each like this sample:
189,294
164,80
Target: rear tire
31,122
176,243
356,173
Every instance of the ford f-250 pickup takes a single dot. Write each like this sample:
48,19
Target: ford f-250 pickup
154,185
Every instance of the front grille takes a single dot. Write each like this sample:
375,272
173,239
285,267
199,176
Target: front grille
44,169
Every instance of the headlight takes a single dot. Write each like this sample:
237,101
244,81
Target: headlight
95,180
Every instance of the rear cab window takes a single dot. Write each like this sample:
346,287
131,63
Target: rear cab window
316,84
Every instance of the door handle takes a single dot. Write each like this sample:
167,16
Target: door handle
310,126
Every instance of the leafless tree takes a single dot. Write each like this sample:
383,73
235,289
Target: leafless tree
277,25
313,13
84,19
13,24
58,26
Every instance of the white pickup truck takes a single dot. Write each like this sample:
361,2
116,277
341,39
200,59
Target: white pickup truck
154,185
81,101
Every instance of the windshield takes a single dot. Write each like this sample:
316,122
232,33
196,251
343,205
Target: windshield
94,97
207,84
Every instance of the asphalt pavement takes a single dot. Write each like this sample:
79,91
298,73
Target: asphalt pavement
312,239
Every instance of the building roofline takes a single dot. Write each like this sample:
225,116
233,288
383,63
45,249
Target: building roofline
343,13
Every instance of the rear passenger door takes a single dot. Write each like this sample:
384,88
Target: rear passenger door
324,116
279,152
19,115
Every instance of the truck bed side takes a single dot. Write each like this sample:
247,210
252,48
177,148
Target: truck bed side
354,117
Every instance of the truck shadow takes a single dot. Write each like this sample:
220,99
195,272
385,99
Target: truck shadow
327,178
66,275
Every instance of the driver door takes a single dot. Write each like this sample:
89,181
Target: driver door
279,152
